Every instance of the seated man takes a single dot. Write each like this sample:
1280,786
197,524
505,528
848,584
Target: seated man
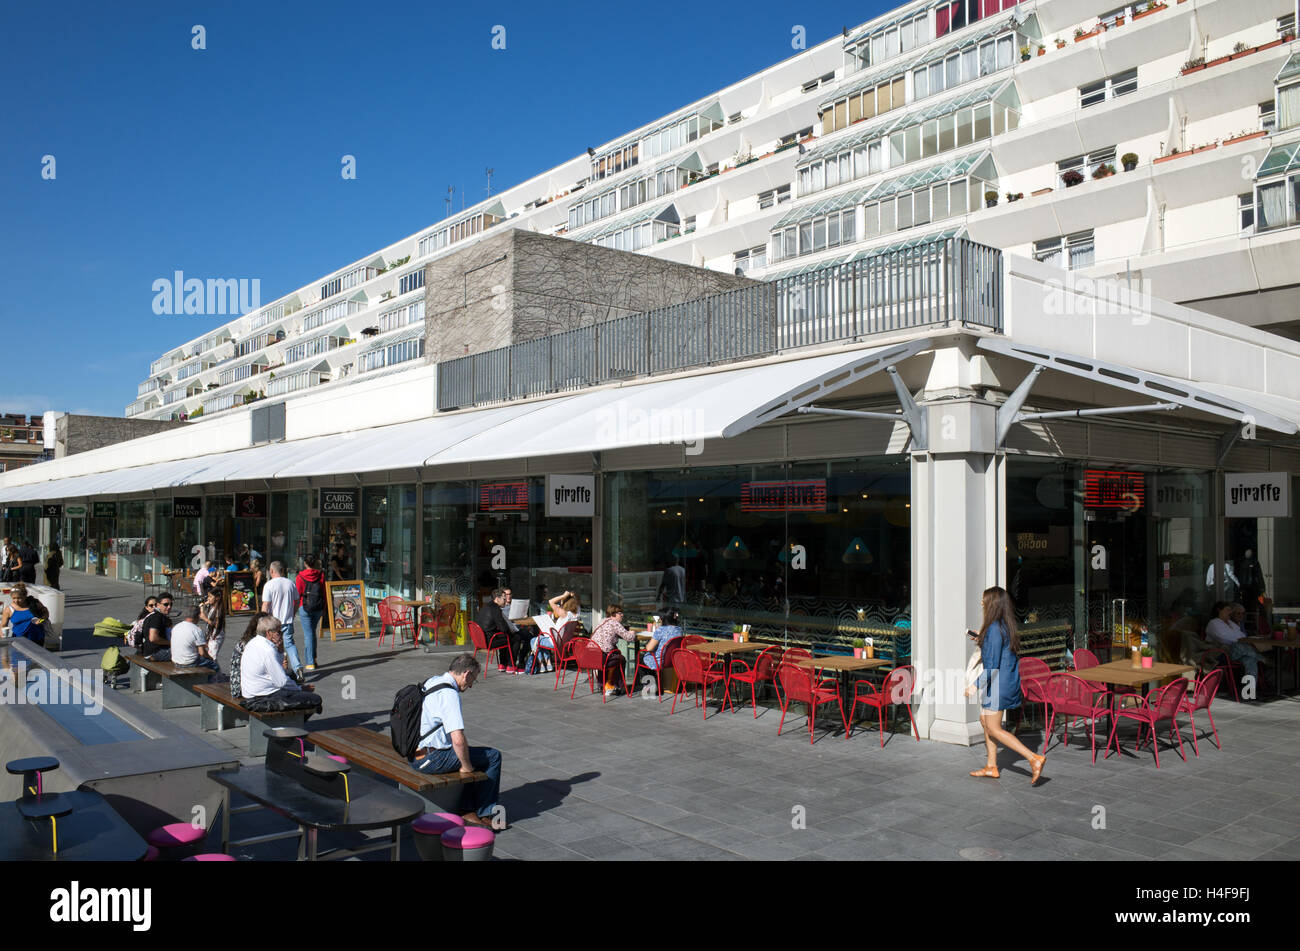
669,630
1223,630
190,642
493,622
443,747
157,627
261,670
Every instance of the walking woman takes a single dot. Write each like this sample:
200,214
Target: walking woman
999,684
53,562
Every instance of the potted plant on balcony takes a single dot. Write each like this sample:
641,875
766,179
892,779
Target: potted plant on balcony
859,647
990,199
369,331
1041,49
1071,178
1240,49
1195,64
1024,53
1130,161
1014,196
1104,170
1060,43
1174,152
1244,136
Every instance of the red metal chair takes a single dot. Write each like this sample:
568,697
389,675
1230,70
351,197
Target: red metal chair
1223,663
1033,683
692,671
498,643
1074,699
1084,658
1163,705
798,686
394,614
791,656
665,663
896,691
593,660
763,671
563,652
1206,689
439,622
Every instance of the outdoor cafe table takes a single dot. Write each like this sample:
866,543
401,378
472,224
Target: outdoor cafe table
845,665
1263,644
1122,673
725,650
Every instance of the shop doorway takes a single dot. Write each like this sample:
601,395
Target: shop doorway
335,542
1116,586
501,549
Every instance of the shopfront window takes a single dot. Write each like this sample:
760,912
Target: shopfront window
133,544
218,529
287,541
804,552
388,542
448,513
1262,552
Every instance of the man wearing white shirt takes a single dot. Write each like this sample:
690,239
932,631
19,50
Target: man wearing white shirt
442,744
280,600
261,669
190,642
1223,630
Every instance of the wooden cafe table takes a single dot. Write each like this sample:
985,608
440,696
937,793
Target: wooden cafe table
844,665
1122,673
716,647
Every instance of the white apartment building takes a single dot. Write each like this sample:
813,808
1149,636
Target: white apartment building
962,117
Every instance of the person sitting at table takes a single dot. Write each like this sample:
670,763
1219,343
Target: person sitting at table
606,636
1224,631
493,622
261,671
564,609
669,630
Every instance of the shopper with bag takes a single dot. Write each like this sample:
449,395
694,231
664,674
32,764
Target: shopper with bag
998,684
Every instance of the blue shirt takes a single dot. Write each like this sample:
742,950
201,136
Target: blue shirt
663,635
1001,670
440,714
24,624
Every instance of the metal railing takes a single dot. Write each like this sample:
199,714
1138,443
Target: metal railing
941,282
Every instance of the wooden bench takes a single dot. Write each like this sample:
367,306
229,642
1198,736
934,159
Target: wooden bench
220,711
178,683
372,750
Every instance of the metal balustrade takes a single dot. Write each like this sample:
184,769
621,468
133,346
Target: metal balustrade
936,283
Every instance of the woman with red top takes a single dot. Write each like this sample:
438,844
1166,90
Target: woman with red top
310,583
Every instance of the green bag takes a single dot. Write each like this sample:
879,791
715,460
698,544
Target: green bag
113,662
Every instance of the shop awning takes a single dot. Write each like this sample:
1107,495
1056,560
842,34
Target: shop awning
682,410
1228,403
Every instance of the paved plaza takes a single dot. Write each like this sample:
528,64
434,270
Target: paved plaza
625,780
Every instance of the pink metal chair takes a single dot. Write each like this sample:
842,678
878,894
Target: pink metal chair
394,615
692,671
665,663
1033,683
593,660
1222,662
566,653
798,686
792,656
762,671
1206,689
498,644
1075,699
439,623
896,691
561,650
1153,710
1084,658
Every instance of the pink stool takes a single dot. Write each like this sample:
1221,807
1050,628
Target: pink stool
211,857
177,835
337,759
467,844
427,831
151,854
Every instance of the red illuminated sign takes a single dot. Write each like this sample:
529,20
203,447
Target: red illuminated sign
1108,489
503,497
806,495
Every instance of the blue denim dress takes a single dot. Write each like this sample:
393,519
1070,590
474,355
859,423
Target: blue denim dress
999,685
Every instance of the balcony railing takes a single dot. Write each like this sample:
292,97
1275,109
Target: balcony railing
946,281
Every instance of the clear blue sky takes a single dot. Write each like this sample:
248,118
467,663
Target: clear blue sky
225,162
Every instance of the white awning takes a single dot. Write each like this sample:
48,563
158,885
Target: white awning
682,410
1232,403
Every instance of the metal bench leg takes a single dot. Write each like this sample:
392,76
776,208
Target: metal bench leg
176,695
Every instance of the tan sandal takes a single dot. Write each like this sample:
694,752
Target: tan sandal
988,772
1037,765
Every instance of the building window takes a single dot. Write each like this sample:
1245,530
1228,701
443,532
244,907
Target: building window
1288,107
752,260
410,282
1121,84
1086,165
1268,116
1277,203
1071,252
1246,212
776,196
1286,25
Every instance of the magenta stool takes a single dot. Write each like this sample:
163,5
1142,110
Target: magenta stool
178,835
467,844
151,854
337,759
427,831
211,857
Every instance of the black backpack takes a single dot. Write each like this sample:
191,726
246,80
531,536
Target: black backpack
313,596
404,718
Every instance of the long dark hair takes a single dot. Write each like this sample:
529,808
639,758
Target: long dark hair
252,627
998,606
217,618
